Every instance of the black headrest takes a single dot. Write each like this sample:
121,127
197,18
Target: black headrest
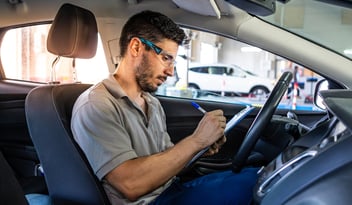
74,33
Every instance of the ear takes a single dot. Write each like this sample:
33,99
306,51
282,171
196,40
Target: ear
135,46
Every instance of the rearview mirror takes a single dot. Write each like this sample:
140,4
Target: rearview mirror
318,100
256,7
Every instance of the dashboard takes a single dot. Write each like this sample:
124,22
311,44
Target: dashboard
316,169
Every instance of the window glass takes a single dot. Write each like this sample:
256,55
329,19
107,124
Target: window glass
24,56
216,68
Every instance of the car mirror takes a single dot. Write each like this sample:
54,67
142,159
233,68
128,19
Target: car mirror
256,7
318,100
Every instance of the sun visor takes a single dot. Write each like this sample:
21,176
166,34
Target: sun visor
215,8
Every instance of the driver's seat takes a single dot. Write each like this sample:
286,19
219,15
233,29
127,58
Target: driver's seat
69,177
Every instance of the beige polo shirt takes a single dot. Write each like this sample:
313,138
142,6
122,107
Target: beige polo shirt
110,129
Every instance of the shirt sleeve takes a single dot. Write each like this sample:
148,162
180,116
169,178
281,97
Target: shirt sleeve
98,129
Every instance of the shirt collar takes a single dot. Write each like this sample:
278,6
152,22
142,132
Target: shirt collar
114,87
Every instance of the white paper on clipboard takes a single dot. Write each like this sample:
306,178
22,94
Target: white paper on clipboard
229,125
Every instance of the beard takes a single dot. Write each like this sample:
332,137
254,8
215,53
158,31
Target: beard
144,73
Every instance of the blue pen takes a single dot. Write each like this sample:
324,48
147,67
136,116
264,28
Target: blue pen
198,107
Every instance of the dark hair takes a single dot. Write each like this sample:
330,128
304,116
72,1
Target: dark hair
152,26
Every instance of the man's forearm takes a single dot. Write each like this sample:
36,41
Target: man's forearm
137,177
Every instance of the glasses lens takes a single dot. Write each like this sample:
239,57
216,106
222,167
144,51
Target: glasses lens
167,59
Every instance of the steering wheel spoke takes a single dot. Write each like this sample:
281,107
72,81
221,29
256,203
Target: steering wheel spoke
261,121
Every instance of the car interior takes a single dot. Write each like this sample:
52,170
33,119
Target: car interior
303,155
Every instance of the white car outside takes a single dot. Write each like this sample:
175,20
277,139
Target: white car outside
227,79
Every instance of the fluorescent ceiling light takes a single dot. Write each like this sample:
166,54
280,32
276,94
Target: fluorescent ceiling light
250,49
348,51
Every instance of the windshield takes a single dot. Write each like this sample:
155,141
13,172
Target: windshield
326,24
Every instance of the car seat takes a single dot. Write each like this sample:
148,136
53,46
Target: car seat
69,177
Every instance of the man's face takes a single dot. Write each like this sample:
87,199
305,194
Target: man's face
155,68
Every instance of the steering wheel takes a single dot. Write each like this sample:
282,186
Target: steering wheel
261,121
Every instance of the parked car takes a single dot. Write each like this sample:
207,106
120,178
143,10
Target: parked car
228,80
305,155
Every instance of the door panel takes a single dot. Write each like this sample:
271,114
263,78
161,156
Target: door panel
15,141
182,119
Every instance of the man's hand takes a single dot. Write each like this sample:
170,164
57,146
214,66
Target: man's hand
214,148
210,131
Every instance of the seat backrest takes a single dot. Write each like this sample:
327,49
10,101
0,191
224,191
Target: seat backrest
48,108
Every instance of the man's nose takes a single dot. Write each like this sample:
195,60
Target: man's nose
170,70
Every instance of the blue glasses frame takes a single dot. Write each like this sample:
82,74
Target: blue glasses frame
166,58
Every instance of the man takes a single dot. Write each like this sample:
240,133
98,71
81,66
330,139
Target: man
121,127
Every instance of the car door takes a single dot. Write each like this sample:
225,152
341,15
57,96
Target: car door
237,81
15,141
207,77
216,78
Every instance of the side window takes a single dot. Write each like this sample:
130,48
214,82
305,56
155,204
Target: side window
239,73
217,70
204,70
24,56
236,72
200,69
